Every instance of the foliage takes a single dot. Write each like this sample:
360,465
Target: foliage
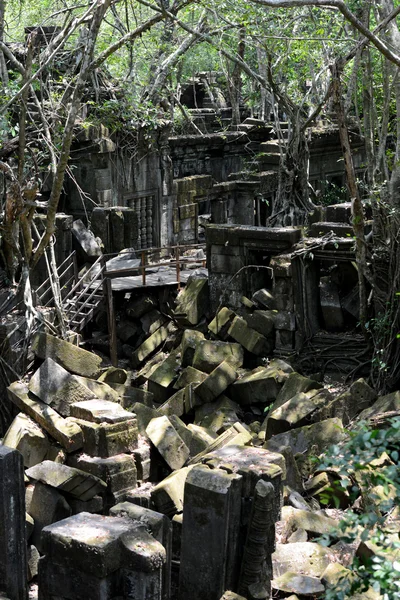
368,466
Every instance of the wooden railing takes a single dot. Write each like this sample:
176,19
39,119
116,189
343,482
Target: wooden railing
178,260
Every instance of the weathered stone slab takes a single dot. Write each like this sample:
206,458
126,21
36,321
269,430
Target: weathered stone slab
13,562
159,526
209,354
55,579
85,243
72,358
144,414
150,345
261,321
293,385
101,411
168,442
108,439
128,396
221,322
303,585
189,375
115,375
296,412
52,384
261,385
253,464
237,435
321,435
167,496
189,342
162,378
192,302
47,380
311,522
250,339
28,438
216,383
383,404
99,545
79,484
210,536
100,389
265,298
47,506
95,505
65,431
119,472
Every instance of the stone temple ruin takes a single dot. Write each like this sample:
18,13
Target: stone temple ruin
163,453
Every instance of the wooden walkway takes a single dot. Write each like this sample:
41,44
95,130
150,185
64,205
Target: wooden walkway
81,297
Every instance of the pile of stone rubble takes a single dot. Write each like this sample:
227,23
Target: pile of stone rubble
168,481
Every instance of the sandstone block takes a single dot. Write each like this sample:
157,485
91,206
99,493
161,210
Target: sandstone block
168,442
28,438
216,383
192,302
72,358
250,339
79,484
209,354
65,431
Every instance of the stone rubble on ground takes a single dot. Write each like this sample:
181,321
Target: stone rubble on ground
191,455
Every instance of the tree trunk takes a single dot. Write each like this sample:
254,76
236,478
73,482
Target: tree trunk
3,67
235,81
58,180
356,204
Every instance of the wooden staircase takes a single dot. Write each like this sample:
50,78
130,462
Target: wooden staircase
81,297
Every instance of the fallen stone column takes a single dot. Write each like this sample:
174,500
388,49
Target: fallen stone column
13,554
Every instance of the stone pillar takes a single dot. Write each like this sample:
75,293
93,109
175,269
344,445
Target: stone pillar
210,534
256,571
13,555
159,526
91,557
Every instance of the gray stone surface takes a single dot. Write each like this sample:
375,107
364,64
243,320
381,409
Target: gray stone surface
261,385
168,442
303,585
250,339
192,303
47,506
100,411
119,472
71,357
13,561
210,544
216,383
65,431
28,438
78,483
108,439
209,354
159,526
